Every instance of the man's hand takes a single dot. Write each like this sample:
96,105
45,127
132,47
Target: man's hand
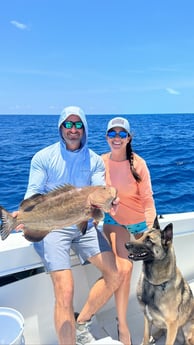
20,226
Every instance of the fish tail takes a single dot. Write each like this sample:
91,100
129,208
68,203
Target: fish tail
7,223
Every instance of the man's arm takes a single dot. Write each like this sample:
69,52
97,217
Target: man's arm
37,177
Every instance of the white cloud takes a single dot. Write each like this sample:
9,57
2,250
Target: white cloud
172,91
18,25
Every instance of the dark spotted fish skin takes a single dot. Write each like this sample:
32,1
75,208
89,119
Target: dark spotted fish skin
62,207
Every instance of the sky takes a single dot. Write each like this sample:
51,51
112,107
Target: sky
106,56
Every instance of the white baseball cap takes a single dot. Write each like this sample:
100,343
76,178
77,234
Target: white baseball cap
118,122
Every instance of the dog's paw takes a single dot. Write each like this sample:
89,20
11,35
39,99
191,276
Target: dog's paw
152,341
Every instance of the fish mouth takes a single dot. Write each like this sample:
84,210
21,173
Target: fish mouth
114,205
108,206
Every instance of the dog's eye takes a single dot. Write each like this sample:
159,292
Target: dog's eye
148,240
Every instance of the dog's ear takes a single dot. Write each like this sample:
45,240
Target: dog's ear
156,224
167,234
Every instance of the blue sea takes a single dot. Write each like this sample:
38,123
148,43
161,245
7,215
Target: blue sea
165,141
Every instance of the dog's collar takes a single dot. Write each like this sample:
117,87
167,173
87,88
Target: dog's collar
162,285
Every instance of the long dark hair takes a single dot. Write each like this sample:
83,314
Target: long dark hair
130,157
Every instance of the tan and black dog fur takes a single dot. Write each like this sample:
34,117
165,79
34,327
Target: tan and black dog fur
165,295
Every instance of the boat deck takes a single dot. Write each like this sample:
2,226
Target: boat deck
107,323
32,294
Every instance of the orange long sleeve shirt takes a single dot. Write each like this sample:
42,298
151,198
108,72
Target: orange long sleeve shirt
136,199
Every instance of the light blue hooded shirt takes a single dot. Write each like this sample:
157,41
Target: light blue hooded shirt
55,166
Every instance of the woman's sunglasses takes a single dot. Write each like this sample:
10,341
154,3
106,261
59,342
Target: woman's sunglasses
121,134
70,124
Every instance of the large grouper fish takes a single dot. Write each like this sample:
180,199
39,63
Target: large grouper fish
62,207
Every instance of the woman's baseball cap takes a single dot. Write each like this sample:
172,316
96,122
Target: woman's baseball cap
118,122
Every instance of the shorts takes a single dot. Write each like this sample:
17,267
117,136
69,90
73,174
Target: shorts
133,228
54,249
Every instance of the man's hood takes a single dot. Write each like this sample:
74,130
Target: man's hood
72,110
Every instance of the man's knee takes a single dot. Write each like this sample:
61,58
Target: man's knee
63,288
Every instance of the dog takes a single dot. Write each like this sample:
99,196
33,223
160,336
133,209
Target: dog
164,294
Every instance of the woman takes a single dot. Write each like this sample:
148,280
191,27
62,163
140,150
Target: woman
128,172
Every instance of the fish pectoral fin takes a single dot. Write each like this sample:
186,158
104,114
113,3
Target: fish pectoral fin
97,214
83,227
34,236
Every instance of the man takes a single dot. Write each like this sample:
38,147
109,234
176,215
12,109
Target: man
70,161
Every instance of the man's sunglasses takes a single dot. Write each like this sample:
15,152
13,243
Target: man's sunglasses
70,124
121,134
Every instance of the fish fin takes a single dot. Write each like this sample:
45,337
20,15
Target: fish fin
83,227
34,236
28,204
66,187
8,223
61,189
97,214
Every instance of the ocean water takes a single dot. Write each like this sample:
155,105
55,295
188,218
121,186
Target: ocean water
165,141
